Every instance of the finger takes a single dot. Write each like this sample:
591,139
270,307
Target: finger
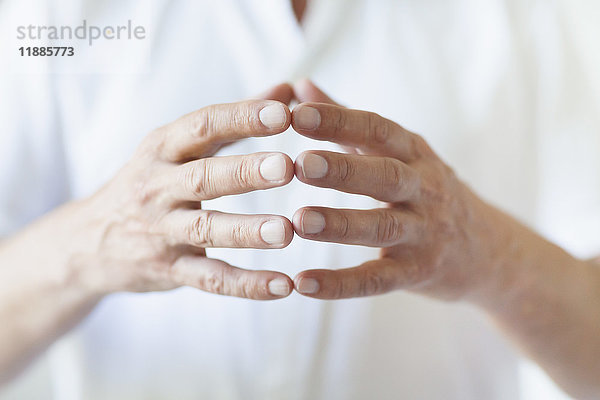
282,92
369,279
382,178
200,133
367,131
206,228
209,178
218,277
381,227
305,91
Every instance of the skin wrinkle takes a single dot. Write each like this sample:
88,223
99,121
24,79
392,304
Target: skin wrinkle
391,173
242,236
344,227
393,232
195,178
379,132
466,249
201,124
345,169
465,252
201,230
339,126
244,175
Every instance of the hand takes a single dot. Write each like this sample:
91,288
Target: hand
146,230
438,238
434,233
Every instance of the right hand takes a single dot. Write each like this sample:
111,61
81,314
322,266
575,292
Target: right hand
145,230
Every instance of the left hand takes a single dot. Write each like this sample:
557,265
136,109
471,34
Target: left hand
436,236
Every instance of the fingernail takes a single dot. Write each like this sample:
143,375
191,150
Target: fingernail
273,168
312,222
314,166
273,116
307,286
307,118
273,232
279,287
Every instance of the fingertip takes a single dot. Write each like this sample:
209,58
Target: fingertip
277,168
297,221
289,169
307,284
277,232
298,165
289,232
310,165
280,287
308,222
288,116
275,115
306,117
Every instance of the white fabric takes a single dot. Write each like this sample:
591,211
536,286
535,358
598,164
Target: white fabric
506,91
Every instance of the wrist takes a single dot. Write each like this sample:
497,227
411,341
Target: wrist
82,262
65,236
523,270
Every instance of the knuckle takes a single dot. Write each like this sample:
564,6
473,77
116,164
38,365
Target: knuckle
239,235
196,178
200,230
245,116
214,282
200,123
340,289
144,192
250,288
154,137
415,274
244,175
413,185
243,288
339,123
378,128
239,286
153,143
393,178
389,229
420,145
345,168
372,283
344,226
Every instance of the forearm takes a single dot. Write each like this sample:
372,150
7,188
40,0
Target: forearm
549,303
42,294
440,239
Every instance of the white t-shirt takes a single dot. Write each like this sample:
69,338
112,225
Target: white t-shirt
507,92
